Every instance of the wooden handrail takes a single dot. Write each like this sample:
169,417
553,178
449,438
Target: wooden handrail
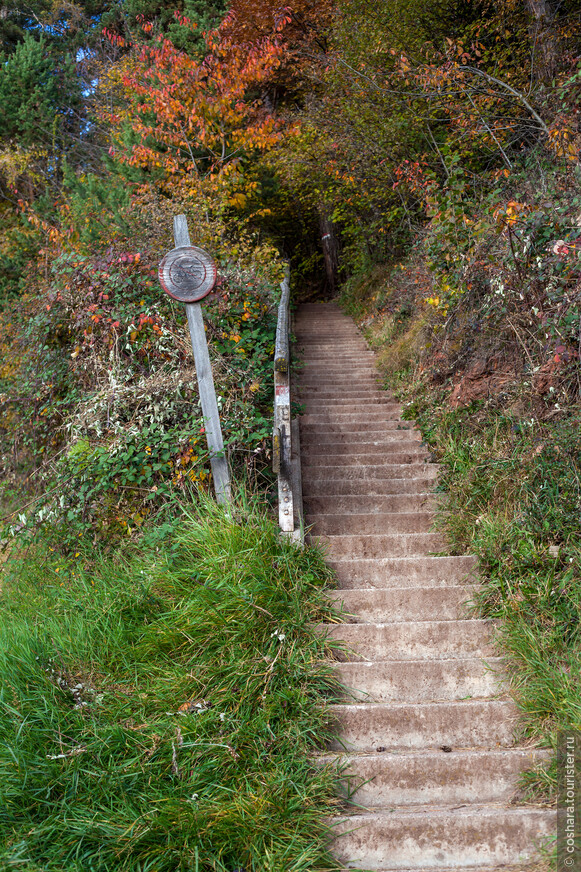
282,457
281,347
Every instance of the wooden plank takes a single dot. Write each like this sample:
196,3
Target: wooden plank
210,412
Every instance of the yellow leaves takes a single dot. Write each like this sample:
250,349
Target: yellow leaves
432,301
238,200
509,215
561,141
17,161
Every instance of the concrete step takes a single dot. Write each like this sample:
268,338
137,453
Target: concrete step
354,357
351,346
469,836
322,375
352,428
422,681
413,454
435,777
381,487
313,438
533,865
371,472
340,404
398,572
323,395
348,547
338,408
319,374
392,442
332,346
346,450
369,605
413,640
456,724
330,361
353,504
323,419
328,385
342,369
331,333
369,522
350,389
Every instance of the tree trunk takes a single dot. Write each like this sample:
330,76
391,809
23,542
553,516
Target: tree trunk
544,39
330,245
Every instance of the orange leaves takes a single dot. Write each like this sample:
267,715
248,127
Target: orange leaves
561,141
510,215
196,117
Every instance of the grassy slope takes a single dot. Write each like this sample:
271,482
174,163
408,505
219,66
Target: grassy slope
159,711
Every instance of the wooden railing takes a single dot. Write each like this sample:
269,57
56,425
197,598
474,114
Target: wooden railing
285,437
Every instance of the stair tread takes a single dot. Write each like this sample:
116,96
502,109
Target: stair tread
420,673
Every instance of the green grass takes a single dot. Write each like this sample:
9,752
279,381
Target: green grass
160,710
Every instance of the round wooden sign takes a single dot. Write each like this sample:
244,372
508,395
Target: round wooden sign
187,274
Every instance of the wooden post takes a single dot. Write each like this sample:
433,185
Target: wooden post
210,412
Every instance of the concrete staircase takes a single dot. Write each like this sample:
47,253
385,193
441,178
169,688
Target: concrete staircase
426,731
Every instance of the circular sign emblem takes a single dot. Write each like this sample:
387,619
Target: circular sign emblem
187,274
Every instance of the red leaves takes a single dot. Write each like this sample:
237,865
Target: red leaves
197,117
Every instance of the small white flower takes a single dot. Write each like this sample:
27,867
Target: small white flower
194,796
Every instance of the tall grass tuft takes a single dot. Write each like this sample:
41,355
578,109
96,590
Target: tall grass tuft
160,711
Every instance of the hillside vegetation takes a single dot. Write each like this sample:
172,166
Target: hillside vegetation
423,160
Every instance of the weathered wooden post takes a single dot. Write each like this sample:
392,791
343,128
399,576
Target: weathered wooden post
188,274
